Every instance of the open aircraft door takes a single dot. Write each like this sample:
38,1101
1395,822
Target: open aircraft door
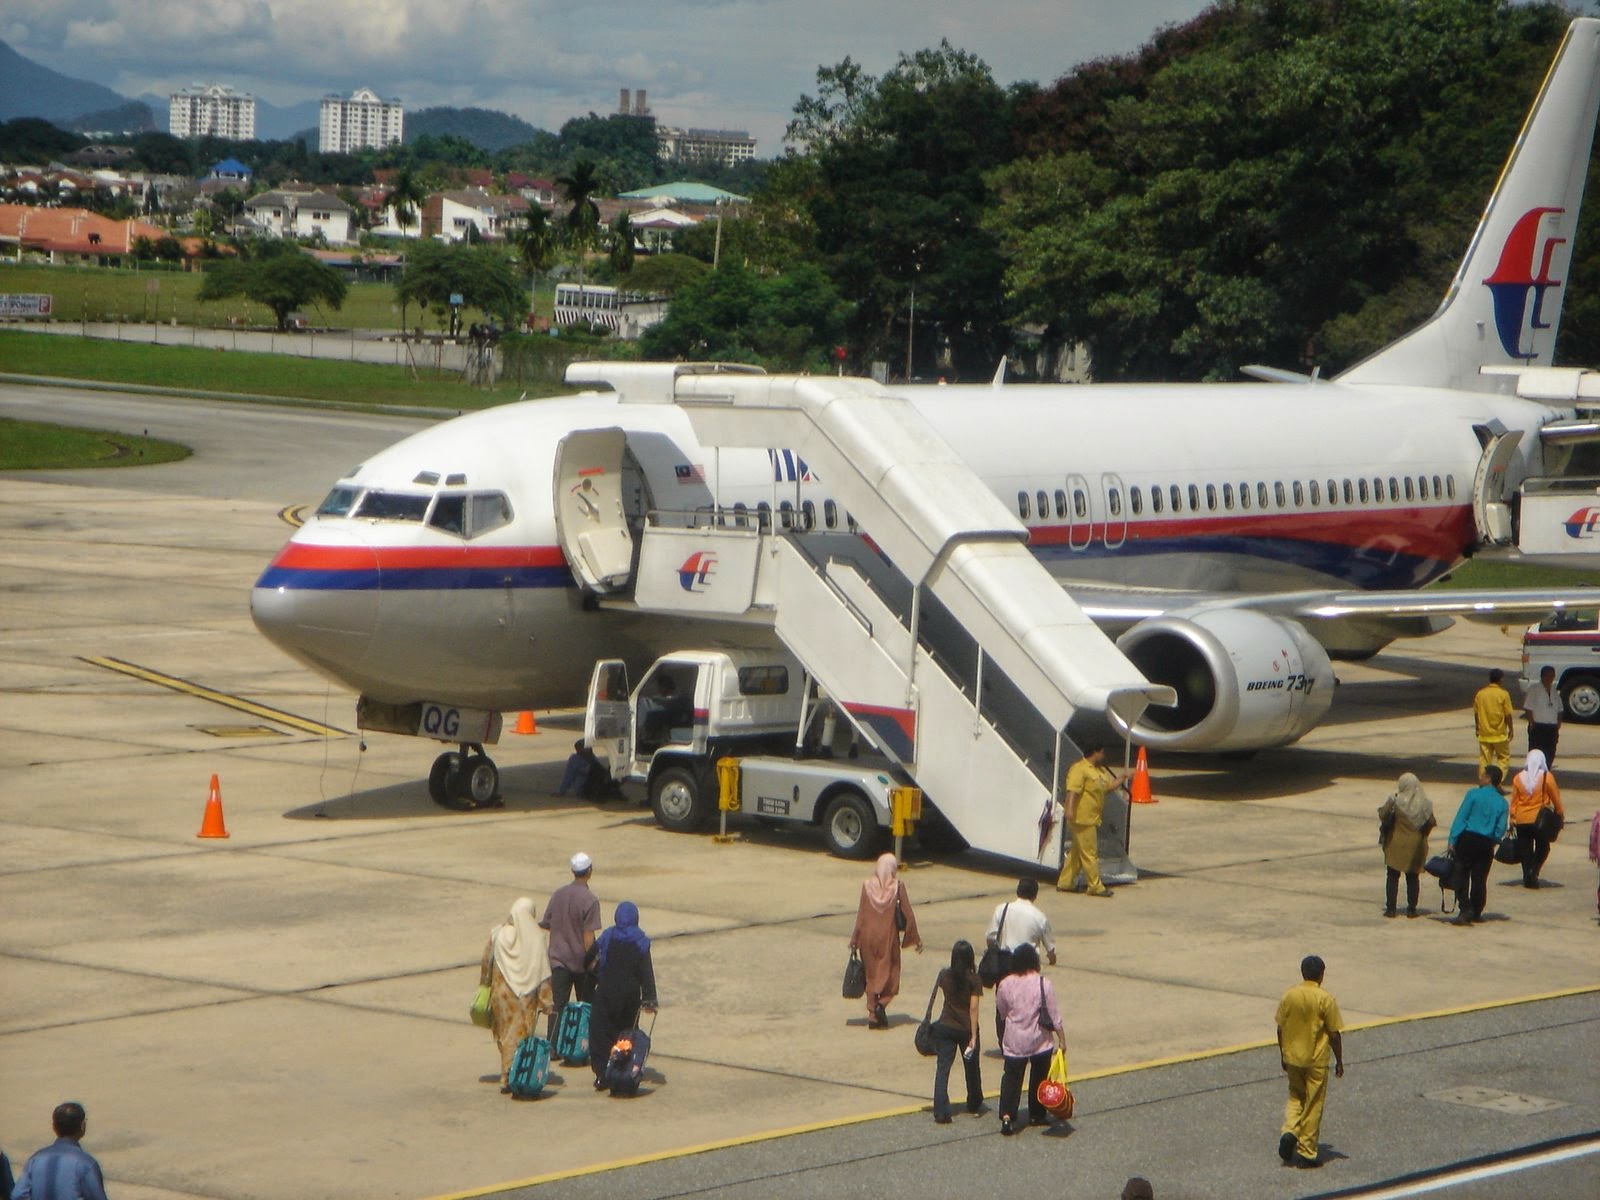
591,515
1491,507
608,718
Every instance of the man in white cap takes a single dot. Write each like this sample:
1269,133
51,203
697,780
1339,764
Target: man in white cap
572,918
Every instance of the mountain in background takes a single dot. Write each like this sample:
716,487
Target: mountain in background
30,90
132,116
483,127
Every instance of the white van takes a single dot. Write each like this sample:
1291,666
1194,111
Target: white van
1569,641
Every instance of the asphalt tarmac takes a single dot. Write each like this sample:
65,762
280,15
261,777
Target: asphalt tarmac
282,1013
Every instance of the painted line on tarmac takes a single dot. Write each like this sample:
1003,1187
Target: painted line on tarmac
907,1110
200,691
293,515
1490,1166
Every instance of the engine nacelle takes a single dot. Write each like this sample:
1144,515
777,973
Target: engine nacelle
1244,680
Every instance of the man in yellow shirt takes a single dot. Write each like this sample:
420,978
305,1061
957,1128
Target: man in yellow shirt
1087,783
1309,1026
1491,714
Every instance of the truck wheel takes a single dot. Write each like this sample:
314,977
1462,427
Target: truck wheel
1581,695
851,827
679,801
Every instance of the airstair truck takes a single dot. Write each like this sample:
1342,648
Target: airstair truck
694,709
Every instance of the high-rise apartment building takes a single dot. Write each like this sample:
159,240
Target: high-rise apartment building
726,146
212,111
363,120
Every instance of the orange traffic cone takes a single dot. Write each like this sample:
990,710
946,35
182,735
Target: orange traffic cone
1139,786
525,722
211,825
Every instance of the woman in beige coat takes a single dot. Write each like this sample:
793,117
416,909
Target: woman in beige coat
516,968
1404,821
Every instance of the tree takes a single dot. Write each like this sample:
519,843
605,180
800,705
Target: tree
407,197
581,225
790,322
282,282
665,274
621,254
481,275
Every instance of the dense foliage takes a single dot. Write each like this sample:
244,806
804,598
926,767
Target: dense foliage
283,280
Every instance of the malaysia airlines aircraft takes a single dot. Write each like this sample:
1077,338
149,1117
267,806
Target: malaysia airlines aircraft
1232,537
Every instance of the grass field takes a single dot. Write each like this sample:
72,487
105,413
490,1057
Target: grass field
30,446
185,367
111,294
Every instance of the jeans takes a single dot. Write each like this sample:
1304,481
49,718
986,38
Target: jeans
1037,1066
948,1047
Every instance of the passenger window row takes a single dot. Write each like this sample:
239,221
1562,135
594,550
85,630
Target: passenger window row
1179,498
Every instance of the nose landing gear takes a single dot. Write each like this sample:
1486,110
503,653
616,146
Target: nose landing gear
464,780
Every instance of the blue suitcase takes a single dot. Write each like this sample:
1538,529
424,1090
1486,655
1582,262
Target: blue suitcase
530,1067
625,1068
572,1035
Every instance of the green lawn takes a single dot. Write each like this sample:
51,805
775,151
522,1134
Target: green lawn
111,293
186,367
1477,573
30,446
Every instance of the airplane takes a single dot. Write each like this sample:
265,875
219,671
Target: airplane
1235,538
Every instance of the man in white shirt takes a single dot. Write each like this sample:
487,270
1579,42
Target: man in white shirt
1024,923
1542,708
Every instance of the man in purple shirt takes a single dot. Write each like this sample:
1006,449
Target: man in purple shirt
63,1170
572,918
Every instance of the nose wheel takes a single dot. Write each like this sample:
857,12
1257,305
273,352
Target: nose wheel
464,780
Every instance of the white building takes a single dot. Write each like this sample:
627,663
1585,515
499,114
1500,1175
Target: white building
363,120
212,111
726,146
302,214
446,215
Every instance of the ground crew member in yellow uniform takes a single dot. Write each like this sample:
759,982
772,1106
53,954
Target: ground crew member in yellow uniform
1491,713
1086,786
1309,1026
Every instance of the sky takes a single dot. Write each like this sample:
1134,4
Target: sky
721,64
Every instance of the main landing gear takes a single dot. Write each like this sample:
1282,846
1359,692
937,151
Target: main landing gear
464,780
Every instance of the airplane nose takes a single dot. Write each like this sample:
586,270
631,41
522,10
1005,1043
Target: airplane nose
319,603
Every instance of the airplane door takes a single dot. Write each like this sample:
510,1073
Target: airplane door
1115,497
1080,515
608,718
590,508
1491,507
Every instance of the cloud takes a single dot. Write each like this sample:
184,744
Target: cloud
730,63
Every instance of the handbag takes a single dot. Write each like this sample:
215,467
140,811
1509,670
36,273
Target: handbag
1045,1023
1548,824
855,978
899,912
926,1044
1443,867
1053,1093
480,1007
1508,851
995,964
1385,828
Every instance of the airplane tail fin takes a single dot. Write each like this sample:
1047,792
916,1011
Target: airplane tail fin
1503,307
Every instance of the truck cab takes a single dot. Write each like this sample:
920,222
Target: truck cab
695,708
1568,641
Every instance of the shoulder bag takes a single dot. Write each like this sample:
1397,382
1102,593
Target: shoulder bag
899,911
1548,823
924,1039
1045,1023
995,964
855,978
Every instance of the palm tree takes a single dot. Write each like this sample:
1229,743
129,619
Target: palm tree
407,197
582,222
535,241
622,243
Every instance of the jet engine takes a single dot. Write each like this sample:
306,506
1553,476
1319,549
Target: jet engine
1245,680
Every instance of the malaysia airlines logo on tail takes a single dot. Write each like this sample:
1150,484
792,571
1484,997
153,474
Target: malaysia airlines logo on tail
1524,267
695,573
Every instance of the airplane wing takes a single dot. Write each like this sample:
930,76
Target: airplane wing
1407,613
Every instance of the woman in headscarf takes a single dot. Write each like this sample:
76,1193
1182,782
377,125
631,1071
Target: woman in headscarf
1532,788
625,984
516,966
884,924
1404,821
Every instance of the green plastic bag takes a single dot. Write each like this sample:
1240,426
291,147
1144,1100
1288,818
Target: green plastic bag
480,1006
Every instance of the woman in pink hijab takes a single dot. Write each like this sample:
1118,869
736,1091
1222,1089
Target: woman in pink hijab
884,924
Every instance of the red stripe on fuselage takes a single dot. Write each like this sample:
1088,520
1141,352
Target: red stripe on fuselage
362,558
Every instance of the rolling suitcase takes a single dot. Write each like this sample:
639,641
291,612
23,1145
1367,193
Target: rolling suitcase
572,1035
530,1067
625,1067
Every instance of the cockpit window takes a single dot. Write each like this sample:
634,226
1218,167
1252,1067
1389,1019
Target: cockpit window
393,506
470,514
490,510
339,502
